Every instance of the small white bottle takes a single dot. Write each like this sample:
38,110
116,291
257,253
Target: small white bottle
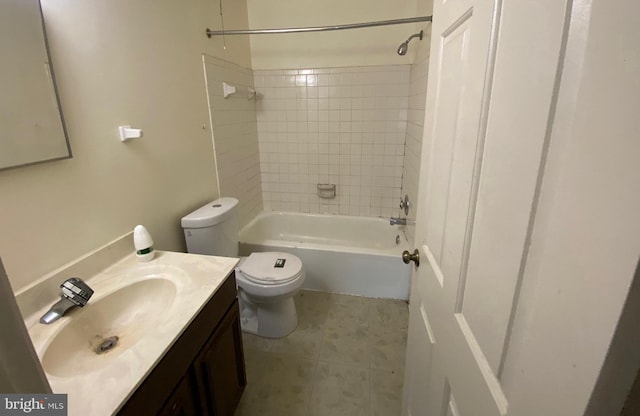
143,243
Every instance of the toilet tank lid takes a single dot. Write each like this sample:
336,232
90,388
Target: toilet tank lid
210,214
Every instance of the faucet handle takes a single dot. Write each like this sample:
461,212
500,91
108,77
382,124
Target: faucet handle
405,204
76,290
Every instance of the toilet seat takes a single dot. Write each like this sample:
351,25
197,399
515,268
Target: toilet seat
263,268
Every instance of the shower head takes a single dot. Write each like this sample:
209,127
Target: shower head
402,49
404,46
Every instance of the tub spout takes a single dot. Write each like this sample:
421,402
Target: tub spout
397,221
401,221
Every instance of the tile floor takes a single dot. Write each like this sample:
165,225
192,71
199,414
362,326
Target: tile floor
345,358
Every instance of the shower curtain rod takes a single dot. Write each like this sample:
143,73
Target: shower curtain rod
318,28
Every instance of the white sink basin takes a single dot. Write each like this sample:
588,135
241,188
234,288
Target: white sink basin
146,305
101,331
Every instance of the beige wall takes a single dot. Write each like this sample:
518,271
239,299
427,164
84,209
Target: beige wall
358,47
235,136
119,62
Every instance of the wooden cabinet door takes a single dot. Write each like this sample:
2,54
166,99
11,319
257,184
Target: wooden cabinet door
220,367
182,401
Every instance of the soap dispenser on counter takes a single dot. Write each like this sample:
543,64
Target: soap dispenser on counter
143,243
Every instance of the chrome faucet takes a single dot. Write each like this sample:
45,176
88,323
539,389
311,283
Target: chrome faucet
397,221
405,204
75,292
401,221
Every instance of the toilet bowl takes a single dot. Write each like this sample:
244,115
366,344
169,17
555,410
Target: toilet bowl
266,282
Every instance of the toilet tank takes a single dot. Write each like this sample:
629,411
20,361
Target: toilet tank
213,228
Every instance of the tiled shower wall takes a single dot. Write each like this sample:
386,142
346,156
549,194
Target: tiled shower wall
415,126
235,136
344,126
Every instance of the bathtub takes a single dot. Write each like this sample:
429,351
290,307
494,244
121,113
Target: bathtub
340,254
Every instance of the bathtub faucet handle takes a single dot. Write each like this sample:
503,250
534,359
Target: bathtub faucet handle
405,204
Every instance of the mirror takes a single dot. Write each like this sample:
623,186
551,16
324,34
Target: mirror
31,124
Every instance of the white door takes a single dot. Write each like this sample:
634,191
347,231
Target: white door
492,77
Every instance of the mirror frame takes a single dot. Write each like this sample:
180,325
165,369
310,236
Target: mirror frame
57,99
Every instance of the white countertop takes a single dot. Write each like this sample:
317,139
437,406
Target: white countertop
100,387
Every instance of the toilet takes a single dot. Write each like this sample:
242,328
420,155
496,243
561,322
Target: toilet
266,282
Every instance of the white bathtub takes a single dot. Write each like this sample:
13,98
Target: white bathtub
341,254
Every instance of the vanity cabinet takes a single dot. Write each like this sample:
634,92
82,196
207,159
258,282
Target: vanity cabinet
220,367
203,373
182,401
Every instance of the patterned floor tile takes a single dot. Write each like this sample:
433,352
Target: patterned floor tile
277,384
340,390
347,345
386,393
345,358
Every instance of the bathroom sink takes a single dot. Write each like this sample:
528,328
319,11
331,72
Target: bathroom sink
107,328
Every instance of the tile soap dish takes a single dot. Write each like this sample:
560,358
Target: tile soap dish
326,190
